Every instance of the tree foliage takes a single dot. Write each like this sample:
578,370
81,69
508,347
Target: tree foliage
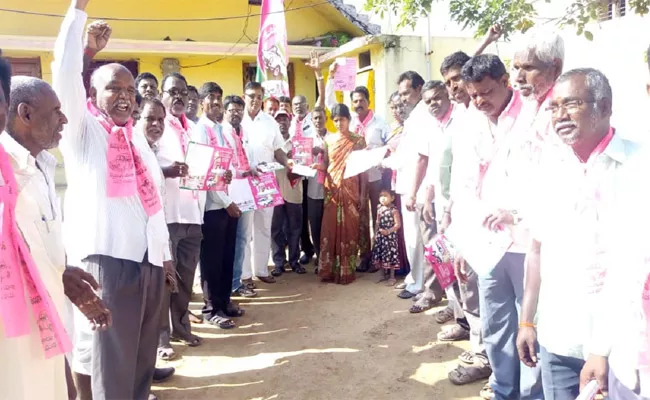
513,15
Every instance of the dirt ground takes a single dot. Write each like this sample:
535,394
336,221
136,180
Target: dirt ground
303,339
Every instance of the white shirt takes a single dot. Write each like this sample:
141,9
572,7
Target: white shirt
437,144
506,146
182,206
39,220
404,158
376,133
262,138
574,230
214,200
308,128
618,318
94,223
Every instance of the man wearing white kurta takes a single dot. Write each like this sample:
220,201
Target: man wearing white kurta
121,240
183,211
263,143
38,217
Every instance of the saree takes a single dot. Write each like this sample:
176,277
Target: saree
345,234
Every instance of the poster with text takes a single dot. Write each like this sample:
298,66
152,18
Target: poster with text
207,166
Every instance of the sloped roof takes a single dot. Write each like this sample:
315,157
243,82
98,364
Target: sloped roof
360,20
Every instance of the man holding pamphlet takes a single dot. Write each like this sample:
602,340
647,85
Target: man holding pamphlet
183,211
219,221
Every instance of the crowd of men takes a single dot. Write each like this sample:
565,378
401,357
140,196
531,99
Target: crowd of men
528,166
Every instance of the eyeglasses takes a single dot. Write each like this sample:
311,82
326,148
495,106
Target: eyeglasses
235,111
570,106
177,93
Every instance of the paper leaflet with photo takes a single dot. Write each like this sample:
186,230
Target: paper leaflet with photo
207,166
253,193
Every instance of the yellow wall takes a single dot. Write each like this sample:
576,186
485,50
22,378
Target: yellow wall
302,23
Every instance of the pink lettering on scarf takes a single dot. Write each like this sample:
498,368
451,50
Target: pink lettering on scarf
363,125
19,272
127,173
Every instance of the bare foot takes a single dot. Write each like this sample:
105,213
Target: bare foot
382,278
391,282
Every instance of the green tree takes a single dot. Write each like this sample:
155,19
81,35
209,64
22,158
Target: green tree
512,15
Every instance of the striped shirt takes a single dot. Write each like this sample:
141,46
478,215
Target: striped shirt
117,227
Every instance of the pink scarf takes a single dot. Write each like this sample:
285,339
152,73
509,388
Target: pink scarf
363,125
299,132
126,173
180,127
240,154
19,272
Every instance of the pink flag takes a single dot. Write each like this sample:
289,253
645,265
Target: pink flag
272,54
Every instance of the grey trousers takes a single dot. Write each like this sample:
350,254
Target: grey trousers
432,288
501,293
186,249
470,302
124,356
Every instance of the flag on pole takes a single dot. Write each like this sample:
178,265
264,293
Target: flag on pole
272,55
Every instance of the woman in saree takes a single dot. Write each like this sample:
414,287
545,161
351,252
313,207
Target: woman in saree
346,219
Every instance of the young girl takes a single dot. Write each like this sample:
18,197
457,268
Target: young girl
384,251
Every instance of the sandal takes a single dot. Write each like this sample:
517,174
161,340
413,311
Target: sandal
419,308
401,286
166,353
248,283
195,341
391,282
467,357
464,375
277,271
266,279
299,270
195,319
454,334
233,311
221,321
487,393
444,316
244,292
405,294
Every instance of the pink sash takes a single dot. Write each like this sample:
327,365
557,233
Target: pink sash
179,126
240,154
298,134
18,272
127,174
363,125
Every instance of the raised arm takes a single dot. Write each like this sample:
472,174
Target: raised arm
492,36
67,74
314,64
330,93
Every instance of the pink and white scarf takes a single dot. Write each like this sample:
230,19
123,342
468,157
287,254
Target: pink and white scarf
18,273
126,172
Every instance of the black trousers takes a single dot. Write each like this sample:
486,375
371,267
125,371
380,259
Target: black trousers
307,245
217,260
291,215
315,216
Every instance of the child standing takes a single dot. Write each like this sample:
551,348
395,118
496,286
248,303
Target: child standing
384,250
